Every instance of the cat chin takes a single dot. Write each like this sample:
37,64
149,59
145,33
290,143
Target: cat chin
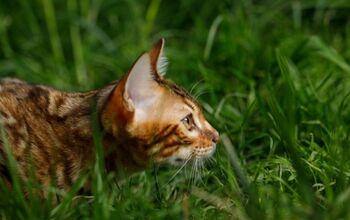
176,161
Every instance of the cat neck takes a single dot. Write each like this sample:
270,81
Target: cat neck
123,154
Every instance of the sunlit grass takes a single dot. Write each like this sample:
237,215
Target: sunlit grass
273,78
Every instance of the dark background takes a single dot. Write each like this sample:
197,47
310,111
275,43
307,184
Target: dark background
272,76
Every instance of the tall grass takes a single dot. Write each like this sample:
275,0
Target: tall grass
273,78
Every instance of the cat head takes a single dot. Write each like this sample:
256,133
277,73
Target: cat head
160,118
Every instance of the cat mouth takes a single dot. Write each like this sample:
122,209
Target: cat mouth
204,152
188,154
198,153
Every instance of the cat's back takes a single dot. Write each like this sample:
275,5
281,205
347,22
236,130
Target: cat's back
49,125
21,111
17,88
18,97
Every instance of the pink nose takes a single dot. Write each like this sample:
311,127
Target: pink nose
215,136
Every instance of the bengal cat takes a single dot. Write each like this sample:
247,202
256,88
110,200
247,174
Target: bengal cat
144,118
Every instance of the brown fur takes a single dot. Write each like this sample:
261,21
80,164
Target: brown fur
51,131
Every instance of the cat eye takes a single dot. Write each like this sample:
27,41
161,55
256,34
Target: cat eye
188,121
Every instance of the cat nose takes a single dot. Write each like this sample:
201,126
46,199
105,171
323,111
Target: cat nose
215,137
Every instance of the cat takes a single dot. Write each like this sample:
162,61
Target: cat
143,117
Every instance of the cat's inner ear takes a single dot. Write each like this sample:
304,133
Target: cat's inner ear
158,61
141,88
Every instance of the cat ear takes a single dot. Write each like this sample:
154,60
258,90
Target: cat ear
141,88
140,84
138,89
158,60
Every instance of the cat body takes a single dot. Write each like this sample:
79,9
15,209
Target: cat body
143,118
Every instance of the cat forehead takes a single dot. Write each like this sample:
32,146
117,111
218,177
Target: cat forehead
181,92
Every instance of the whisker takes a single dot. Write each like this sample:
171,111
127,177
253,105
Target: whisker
195,85
199,171
178,171
211,160
192,173
196,96
195,172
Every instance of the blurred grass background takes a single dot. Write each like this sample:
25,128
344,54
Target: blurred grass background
273,77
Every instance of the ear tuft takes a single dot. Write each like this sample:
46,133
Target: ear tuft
159,62
162,65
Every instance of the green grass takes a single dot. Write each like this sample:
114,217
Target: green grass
273,77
